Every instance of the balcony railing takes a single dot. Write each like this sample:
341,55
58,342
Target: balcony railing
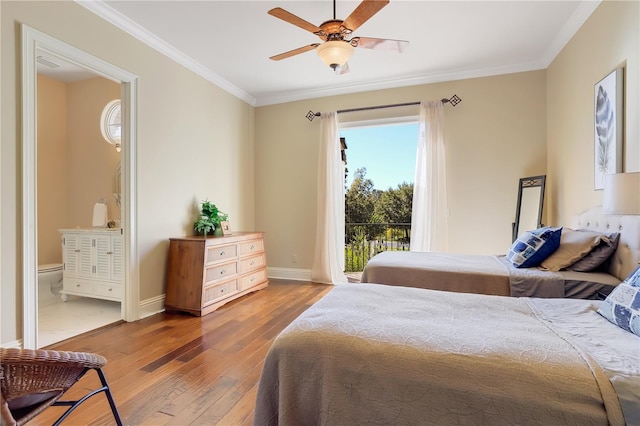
365,240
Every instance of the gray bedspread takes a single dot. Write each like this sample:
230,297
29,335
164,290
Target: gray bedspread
466,273
386,355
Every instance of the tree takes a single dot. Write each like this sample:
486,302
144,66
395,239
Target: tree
360,201
394,206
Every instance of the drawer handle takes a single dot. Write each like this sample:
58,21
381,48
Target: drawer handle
222,290
223,272
77,250
110,289
252,247
109,252
78,285
222,253
252,279
252,263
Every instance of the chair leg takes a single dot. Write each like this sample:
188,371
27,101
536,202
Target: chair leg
74,404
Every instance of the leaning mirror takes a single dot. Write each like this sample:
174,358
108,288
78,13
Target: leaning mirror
529,205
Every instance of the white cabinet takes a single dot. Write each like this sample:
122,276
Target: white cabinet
93,263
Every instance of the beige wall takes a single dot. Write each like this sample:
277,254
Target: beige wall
75,164
195,141
494,137
91,160
52,167
608,39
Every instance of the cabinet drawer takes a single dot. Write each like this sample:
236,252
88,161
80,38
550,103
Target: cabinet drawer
220,253
252,263
219,291
217,273
78,286
109,291
253,246
251,280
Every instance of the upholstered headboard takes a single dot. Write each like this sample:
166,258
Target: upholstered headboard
627,256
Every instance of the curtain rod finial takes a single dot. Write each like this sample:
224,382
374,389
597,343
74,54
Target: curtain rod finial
311,115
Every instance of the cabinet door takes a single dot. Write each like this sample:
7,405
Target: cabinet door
103,257
86,245
117,248
70,255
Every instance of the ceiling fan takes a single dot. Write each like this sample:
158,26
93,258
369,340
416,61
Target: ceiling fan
338,45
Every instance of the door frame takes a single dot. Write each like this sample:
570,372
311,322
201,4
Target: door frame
32,41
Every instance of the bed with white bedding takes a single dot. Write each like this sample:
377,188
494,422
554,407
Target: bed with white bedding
496,275
387,355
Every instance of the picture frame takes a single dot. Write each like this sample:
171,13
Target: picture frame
608,126
226,227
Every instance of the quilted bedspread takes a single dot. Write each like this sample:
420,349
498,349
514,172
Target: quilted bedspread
385,355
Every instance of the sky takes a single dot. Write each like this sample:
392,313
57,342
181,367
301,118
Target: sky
388,153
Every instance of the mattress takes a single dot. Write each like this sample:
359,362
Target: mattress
383,355
482,274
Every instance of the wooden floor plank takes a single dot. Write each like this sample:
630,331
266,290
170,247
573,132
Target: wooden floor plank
177,369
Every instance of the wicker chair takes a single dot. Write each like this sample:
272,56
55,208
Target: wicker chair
32,380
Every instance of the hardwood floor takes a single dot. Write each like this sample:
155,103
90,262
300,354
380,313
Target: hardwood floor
177,369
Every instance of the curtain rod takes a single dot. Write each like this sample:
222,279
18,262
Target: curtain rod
454,100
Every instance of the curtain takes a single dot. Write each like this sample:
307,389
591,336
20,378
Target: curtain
429,227
328,263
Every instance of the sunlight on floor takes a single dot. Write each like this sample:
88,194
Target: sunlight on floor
60,320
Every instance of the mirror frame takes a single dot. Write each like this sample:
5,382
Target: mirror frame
528,182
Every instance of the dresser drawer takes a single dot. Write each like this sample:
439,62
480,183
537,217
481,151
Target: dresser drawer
109,291
252,263
220,253
254,279
219,291
220,272
248,247
78,286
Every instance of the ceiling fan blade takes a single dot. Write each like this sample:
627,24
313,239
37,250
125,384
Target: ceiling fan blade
293,19
294,52
342,69
381,44
363,13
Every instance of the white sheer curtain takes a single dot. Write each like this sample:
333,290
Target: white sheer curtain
429,223
328,263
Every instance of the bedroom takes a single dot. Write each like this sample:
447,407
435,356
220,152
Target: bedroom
554,135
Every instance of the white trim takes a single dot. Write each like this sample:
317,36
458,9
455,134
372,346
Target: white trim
289,274
380,122
17,344
100,8
151,306
33,40
570,28
119,20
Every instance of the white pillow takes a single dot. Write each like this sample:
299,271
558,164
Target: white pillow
574,245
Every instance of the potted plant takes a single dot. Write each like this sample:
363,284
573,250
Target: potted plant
210,218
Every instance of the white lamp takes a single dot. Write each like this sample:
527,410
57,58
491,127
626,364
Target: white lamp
621,193
335,53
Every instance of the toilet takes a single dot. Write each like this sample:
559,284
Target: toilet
49,283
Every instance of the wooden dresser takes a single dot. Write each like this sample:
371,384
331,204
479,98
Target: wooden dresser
205,273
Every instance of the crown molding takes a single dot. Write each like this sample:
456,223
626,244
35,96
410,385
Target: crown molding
114,17
440,77
570,28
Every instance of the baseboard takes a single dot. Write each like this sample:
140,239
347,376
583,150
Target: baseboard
151,306
17,344
289,274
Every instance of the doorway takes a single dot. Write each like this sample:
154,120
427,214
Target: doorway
37,44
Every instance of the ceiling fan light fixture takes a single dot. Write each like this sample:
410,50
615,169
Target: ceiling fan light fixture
335,53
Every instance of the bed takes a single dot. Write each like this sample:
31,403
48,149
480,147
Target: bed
389,355
496,275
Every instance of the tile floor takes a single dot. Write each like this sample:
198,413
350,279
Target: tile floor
58,320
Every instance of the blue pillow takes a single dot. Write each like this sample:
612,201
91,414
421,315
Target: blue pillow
622,305
533,247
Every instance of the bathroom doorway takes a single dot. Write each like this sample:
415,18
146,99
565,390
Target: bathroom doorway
67,168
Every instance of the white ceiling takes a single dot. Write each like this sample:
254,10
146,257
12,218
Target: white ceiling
230,42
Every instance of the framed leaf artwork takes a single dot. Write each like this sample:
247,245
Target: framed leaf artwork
608,128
